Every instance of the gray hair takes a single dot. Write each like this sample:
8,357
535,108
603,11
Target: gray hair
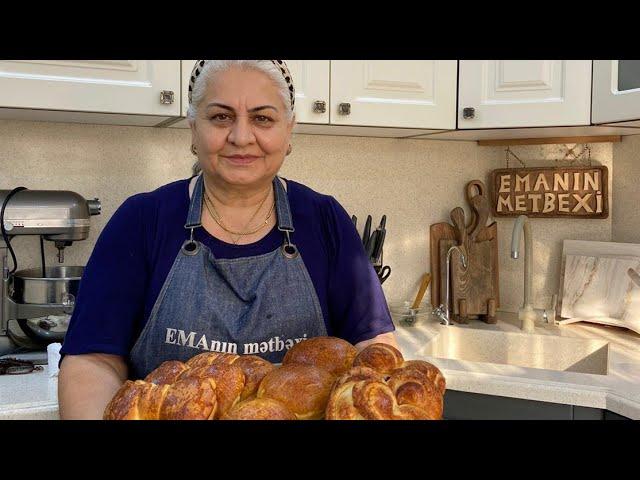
213,67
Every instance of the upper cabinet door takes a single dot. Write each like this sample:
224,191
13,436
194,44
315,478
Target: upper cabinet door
616,90
186,67
144,87
311,81
394,93
524,93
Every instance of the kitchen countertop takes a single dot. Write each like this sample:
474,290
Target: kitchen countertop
617,391
35,395
32,396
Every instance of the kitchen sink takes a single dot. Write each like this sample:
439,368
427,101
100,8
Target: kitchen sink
548,352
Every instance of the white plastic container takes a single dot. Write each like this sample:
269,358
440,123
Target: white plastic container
53,358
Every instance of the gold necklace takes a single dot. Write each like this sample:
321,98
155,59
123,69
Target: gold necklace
252,217
238,234
218,218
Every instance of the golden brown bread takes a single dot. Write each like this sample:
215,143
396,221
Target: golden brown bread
379,385
412,387
254,368
381,357
330,353
357,374
259,409
205,387
135,400
340,403
167,373
190,399
209,358
369,400
229,383
303,389
432,372
408,394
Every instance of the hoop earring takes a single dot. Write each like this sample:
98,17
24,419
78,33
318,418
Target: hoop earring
289,149
193,149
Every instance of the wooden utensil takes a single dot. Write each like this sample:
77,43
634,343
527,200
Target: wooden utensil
457,217
480,208
469,193
426,278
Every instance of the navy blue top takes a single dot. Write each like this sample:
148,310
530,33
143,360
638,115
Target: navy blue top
139,244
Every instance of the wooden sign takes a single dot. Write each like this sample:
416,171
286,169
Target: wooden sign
550,192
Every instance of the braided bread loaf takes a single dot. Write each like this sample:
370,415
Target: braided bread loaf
204,388
382,386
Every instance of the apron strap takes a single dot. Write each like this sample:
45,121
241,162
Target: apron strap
283,211
285,223
194,219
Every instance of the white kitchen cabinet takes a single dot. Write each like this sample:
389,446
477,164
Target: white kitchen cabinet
310,77
524,93
394,93
311,81
410,95
616,92
119,87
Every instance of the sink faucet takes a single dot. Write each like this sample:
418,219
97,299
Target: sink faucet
526,313
442,312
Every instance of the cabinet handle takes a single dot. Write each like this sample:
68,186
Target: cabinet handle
319,106
344,108
468,113
166,97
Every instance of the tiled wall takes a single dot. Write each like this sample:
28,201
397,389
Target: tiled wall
414,182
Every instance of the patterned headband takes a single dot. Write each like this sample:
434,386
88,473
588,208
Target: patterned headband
197,68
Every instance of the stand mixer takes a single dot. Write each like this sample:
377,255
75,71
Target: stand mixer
36,303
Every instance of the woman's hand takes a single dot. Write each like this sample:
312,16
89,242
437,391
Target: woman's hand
388,338
87,383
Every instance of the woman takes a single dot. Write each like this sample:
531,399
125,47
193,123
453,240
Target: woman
235,259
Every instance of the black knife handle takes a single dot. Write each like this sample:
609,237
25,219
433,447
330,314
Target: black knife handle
366,232
371,245
377,252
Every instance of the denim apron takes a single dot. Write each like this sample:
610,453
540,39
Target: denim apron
260,305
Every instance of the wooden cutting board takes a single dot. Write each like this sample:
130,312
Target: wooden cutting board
437,233
475,289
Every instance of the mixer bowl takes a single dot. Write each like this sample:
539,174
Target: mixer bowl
60,286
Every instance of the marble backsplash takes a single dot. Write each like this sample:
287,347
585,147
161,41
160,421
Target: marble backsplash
600,288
